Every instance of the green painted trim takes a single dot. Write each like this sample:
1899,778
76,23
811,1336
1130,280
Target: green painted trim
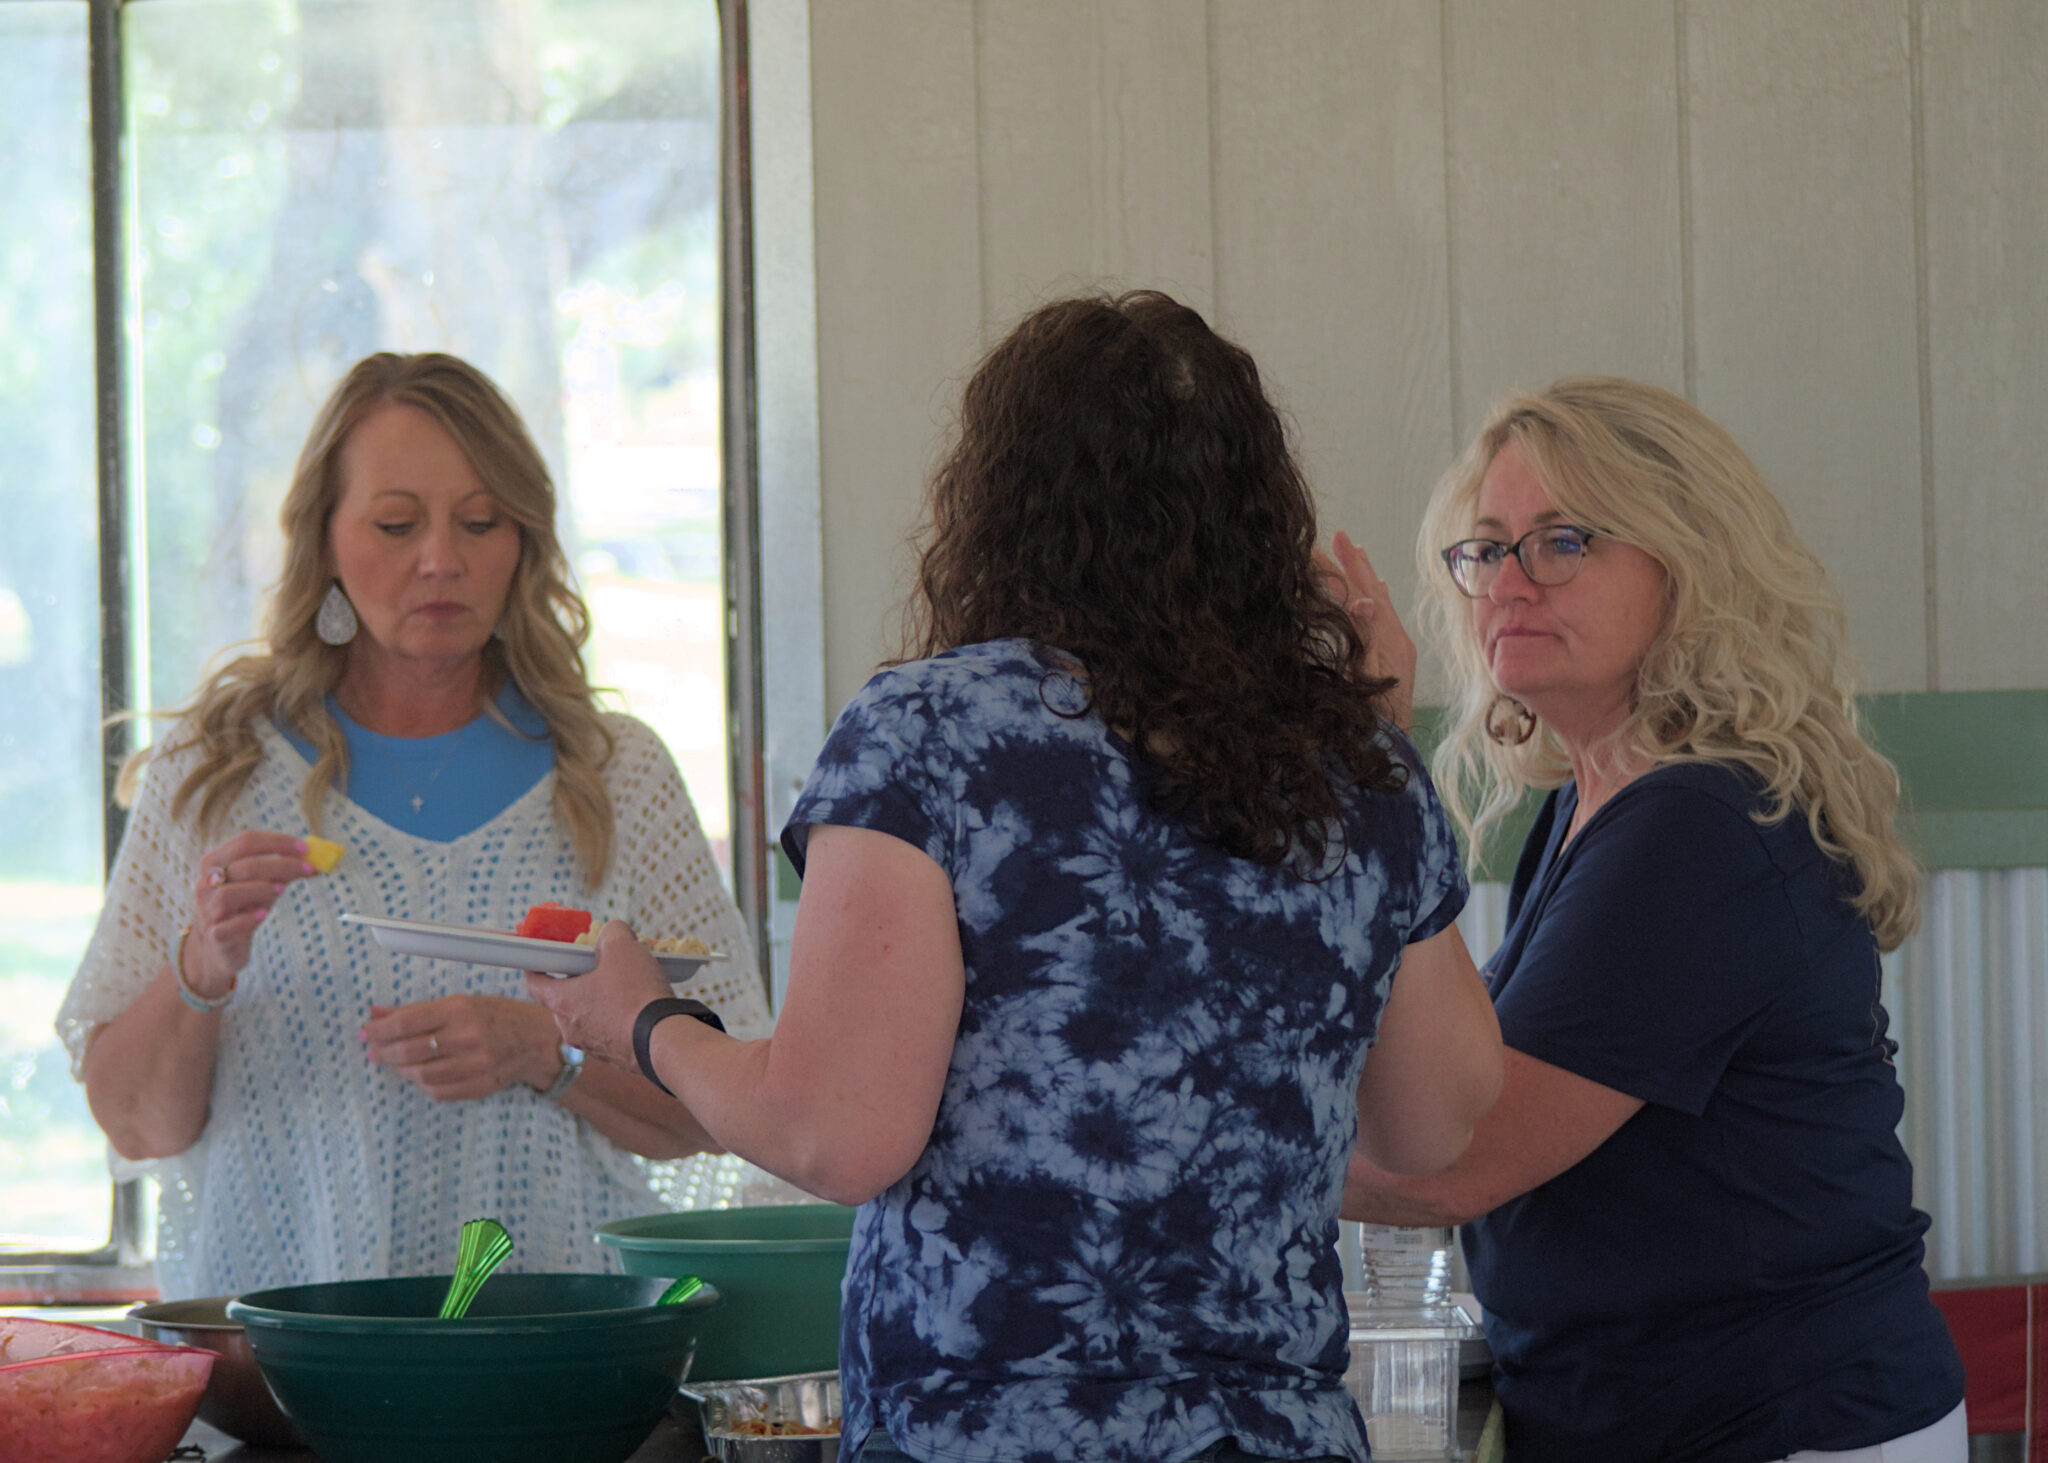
1975,769
1966,749
1974,765
1979,838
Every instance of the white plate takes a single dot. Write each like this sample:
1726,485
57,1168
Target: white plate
490,947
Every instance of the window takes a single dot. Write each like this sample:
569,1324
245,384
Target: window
532,184
53,1179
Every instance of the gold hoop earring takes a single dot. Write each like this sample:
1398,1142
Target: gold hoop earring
1509,722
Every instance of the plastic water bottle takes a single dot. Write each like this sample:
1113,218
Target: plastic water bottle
1405,1268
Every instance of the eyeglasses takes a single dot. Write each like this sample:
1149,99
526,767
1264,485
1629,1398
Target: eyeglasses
1549,555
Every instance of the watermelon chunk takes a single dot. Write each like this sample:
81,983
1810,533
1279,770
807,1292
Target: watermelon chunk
552,921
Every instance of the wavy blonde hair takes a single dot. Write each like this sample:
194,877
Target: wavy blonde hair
1752,667
538,646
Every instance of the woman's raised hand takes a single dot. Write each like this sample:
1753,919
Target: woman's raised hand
238,883
596,1011
1389,649
460,1048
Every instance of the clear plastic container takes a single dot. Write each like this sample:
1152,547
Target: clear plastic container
1404,1377
1405,1267
77,1394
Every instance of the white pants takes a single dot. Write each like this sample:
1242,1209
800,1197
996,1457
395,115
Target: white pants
1946,1441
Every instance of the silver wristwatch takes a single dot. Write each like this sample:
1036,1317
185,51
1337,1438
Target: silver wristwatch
572,1068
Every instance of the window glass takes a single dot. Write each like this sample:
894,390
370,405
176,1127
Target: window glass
530,184
53,1177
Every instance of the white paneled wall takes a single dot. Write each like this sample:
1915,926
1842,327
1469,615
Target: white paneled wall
1984,209
1827,221
1969,1009
1804,320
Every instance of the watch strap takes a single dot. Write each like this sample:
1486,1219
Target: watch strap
652,1015
572,1068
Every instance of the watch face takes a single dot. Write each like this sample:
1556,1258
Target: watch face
572,1068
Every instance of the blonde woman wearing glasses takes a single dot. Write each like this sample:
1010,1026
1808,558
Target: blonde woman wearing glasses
1689,1217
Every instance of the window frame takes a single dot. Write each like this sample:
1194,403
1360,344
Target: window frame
122,1268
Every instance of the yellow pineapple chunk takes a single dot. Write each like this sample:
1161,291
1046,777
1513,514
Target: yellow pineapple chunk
323,854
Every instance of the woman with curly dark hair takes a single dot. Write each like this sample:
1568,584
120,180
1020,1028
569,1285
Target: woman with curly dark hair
1106,891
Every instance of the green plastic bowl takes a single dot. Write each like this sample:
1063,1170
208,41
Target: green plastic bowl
779,1268
543,1369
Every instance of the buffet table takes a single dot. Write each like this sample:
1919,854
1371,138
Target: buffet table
670,1443
678,1439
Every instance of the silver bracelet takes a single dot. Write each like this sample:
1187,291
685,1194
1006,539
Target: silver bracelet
186,994
572,1068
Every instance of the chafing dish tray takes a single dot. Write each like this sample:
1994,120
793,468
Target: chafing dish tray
771,1419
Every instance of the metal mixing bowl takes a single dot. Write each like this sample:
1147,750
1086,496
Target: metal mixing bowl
238,1400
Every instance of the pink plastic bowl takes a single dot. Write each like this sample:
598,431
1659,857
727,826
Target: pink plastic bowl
77,1394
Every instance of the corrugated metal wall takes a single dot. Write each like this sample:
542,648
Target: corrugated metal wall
1969,1003
1968,998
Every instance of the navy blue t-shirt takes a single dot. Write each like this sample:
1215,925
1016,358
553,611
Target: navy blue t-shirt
1736,1273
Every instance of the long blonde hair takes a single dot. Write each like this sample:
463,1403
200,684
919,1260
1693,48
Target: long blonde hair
1752,666
538,645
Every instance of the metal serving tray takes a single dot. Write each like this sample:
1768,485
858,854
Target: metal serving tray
810,1399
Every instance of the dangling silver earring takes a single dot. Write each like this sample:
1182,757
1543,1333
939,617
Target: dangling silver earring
336,623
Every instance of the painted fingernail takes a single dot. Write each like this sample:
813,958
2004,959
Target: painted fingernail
277,888
262,915
306,868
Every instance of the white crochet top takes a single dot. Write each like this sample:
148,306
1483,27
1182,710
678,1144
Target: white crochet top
317,1164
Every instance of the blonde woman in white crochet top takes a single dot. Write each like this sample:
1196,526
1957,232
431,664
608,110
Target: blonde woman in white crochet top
316,1107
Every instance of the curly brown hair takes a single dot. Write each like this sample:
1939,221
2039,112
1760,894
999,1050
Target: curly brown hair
1121,493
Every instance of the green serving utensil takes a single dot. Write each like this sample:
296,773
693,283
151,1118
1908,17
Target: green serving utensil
482,1248
684,1287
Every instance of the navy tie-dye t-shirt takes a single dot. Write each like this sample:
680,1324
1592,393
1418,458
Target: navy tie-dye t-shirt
1120,1240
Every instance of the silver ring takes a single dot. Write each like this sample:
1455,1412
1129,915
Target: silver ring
216,876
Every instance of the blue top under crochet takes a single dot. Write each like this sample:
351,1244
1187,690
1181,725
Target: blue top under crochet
460,779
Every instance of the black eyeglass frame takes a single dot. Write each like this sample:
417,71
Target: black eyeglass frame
1450,556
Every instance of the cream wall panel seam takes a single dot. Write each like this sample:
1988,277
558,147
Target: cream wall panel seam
1985,106
899,293
1930,526
1330,248
1447,146
786,394
1095,138
792,568
1564,214
1689,366
1804,285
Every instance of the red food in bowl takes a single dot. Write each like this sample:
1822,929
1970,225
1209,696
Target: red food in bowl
552,921
77,1394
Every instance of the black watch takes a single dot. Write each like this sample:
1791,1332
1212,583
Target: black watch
652,1015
